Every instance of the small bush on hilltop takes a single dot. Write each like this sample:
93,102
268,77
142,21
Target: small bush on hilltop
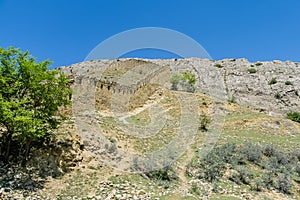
258,63
185,80
288,83
273,81
252,70
219,65
175,79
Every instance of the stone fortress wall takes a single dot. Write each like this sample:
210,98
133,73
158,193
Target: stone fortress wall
121,80
122,85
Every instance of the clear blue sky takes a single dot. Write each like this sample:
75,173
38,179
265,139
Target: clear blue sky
66,31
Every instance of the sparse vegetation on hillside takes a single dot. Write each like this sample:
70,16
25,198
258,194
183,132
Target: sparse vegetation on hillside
204,122
273,168
277,95
218,65
175,79
255,156
288,83
252,70
164,174
258,63
273,81
232,99
185,81
295,116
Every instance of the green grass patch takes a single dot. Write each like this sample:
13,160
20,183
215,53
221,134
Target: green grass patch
294,116
141,119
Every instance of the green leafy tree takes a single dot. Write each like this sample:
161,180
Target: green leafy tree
190,78
184,79
30,97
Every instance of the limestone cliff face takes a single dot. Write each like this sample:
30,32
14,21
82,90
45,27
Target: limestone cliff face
273,86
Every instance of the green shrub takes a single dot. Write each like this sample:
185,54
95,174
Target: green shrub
252,70
163,174
242,175
218,65
30,98
112,140
190,78
228,153
282,158
269,150
273,165
258,63
210,168
204,122
213,165
185,79
295,155
213,171
273,81
288,83
232,99
257,185
175,79
252,152
277,95
276,173
294,116
234,176
284,184
268,180
195,189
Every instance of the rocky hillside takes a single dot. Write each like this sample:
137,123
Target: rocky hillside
221,133
273,86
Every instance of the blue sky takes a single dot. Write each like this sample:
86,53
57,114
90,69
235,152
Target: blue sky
66,31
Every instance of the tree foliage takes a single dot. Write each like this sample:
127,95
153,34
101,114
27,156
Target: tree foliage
30,96
184,80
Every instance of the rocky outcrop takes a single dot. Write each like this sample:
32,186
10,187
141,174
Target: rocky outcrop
272,86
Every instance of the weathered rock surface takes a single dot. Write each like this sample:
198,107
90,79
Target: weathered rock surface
272,86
